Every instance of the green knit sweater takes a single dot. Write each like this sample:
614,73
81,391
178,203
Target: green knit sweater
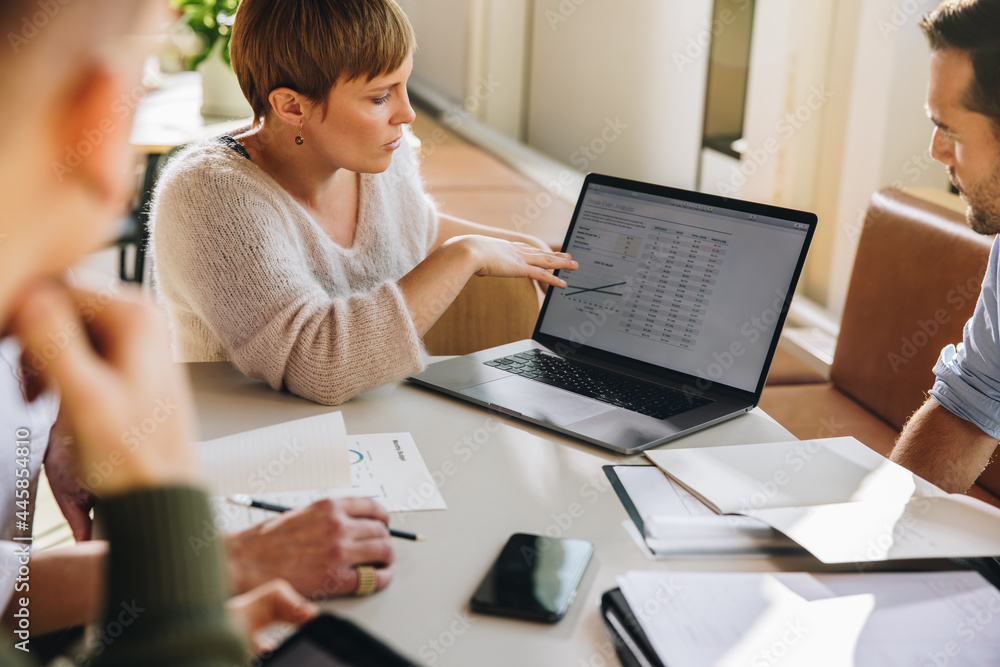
165,600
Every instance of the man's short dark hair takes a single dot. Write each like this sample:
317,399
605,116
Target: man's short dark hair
972,26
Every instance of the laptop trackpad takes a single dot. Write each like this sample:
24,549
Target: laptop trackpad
538,401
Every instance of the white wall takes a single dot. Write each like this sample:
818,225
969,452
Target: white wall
787,97
474,53
887,134
505,34
907,161
443,48
870,60
619,87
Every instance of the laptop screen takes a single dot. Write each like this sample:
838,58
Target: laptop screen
689,287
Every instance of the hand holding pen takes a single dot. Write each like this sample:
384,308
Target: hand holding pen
246,501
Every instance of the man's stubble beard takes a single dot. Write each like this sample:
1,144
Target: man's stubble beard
983,199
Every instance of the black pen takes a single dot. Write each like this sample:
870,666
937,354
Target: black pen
246,501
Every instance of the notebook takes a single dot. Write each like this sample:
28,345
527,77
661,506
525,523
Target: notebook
668,326
838,499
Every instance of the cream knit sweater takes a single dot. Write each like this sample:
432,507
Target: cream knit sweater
248,276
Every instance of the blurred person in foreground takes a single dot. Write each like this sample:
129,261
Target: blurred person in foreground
70,84
66,177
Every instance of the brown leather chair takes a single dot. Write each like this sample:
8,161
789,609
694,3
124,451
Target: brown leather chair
915,283
487,313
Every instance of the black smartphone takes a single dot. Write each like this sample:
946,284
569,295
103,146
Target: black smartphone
331,641
534,578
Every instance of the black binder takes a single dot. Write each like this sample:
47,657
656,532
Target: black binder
631,644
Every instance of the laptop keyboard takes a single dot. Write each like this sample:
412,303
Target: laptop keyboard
646,398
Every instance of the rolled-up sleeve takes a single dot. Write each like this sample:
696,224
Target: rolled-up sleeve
968,376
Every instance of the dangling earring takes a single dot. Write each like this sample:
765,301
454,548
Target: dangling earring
299,140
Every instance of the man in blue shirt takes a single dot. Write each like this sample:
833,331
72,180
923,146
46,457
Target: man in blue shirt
950,440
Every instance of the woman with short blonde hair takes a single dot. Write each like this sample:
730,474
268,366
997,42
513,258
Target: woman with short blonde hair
303,247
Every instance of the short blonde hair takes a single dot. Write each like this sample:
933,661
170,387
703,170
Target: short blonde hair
311,45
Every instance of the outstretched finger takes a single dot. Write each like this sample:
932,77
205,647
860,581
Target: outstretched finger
543,276
552,260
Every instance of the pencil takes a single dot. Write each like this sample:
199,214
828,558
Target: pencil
246,501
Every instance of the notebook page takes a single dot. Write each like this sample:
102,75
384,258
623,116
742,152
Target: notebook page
304,454
736,479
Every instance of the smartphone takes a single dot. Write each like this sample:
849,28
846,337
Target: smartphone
534,578
330,641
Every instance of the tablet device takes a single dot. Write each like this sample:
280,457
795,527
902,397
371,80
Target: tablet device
330,641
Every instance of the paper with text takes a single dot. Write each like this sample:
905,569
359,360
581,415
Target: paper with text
387,467
833,620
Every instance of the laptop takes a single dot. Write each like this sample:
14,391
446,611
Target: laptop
668,326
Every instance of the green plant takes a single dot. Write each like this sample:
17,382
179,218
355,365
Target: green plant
212,20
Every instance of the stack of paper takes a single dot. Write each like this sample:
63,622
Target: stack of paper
836,498
297,463
671,522
870,620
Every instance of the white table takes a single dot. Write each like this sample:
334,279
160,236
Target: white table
170,116
498,476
